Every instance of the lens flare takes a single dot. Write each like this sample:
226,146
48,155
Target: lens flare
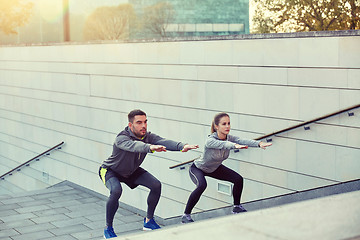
50,10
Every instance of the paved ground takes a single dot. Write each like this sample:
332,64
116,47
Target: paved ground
330,218
67,211
61,212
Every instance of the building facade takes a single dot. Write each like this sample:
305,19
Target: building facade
199,18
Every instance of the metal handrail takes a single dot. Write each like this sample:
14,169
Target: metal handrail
34,158
183,163
288,129
309,122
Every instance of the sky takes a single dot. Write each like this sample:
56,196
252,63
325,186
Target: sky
51,10
77,6
85,6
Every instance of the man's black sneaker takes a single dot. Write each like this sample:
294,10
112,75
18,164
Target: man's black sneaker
238,209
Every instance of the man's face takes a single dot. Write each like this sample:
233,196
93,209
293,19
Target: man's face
139,126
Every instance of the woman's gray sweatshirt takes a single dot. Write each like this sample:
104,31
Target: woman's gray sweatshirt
217,150
129,151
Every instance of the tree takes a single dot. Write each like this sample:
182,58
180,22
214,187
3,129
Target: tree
109,23
157,18
13,14
305,15
351,15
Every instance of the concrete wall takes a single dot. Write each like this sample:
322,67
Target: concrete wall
81,94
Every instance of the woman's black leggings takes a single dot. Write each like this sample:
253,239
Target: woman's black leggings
145,179
221,173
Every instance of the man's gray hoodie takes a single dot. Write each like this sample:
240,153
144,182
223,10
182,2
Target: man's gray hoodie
129,151
217,150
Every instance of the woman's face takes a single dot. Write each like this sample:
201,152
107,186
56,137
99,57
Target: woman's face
223,128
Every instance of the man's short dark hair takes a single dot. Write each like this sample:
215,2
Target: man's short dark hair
134,113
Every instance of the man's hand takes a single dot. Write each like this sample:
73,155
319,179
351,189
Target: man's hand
238,146
264,145
158,148
188,147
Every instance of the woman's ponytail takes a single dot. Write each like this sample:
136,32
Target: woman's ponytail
213,129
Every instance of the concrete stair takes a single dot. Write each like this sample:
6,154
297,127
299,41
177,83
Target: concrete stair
63,211
331,218
69,211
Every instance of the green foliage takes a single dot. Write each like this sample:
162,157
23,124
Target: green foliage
305,15
13,14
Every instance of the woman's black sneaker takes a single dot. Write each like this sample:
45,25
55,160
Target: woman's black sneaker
186,219
238,209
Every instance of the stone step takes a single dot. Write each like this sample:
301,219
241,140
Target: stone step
63,211
332,217
7,187
69,211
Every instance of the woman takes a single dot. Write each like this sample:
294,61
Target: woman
217,149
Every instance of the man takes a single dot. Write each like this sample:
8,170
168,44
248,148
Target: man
129,151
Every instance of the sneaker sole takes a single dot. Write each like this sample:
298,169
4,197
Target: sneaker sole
238,212
149,229
109,238
186,222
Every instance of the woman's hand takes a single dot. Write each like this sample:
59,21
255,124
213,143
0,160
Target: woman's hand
238,146
264,145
